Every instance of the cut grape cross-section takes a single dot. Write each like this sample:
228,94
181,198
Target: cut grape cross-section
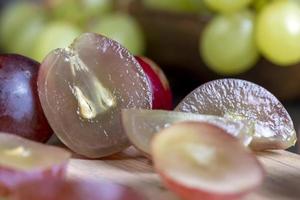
142,125
83,89
23,160
239,99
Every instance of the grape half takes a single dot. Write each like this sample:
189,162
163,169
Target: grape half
239,99
142,125
278,32
84,87
228,44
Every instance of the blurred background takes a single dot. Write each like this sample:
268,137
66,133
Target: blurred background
193,41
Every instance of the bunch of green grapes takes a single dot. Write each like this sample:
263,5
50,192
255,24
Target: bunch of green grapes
240,31
34,30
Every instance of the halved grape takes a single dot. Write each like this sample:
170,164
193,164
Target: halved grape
124,29
142,125
55,35
84,87
278,32
240,99
57,189
226,6
197,161
228,45
22,160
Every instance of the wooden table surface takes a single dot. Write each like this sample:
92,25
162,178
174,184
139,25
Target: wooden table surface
130,168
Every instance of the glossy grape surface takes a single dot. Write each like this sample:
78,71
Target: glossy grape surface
83,89
20,109
278,32
228,44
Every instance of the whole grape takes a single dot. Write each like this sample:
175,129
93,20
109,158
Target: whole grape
278,32
228,45
226,6
124,29
176,5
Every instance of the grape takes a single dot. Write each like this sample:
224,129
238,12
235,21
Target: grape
228,45
84,87
176,5
22,43
20,109
79,11
278,32
226,6
12,20
239,99
124,29
22,161
260,4
55,35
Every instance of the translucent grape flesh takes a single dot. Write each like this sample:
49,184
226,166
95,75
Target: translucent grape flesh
142,125
241,99
227,6
197,160
83,88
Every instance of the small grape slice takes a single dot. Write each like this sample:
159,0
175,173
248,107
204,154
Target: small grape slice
197,160
58,189
240,99
22,160
83,89
141,125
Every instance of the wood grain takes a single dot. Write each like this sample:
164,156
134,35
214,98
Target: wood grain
130,168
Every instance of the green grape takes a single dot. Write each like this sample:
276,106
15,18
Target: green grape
226,6
55,35
258,5
123,29
22,43
12,20
228,45
278,32
176,5
79,11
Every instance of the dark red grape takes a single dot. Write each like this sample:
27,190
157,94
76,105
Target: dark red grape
20,109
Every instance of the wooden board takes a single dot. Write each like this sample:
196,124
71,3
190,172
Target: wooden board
130,168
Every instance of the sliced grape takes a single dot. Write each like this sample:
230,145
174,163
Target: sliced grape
240,99
197,160
22,160
142,125
124,29
278,32
227,6
228,45
57,189
55,35
83,89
